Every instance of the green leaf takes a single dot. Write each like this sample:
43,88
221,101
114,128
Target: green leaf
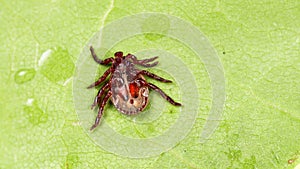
43,42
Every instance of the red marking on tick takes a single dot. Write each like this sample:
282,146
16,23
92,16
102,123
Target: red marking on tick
134,90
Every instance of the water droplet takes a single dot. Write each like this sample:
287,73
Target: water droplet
24,75
44,57
33,113
29,101
56,65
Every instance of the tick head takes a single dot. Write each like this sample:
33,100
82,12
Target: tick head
119,54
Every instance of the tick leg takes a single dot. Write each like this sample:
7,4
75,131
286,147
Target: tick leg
148,60
100,112
148,65
144,62
101,79
99,95
144,72
102,62
163,94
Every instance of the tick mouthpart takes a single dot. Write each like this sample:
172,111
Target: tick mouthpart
119,54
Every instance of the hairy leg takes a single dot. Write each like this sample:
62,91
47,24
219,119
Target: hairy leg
163,94
144,72
102,62
101,79
100,112
99,95
144,62
148,60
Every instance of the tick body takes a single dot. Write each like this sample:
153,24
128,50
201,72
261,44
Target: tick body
127,87
129,90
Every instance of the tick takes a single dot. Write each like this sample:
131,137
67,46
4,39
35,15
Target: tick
126,87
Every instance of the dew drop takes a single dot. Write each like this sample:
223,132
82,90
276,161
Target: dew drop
34,113
291,161
44,57
56,65
29,101
24,75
